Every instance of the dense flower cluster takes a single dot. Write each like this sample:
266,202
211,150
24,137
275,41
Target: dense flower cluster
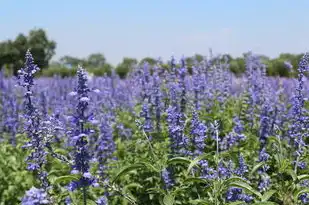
32,121
190,131
35,196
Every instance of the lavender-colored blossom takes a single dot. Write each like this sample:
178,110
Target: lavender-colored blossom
35,196
102,201
105,145
182,74
298,123
68,201
304,198
288,65
166,177
36,143
263,155
225,172
178,141
198,132
157,97
236,194
80,135
145,113
242,167
207,172
234,137
265,125
264,183
197,86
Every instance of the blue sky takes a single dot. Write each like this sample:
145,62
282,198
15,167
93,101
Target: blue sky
157,28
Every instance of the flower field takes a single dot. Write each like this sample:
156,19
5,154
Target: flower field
184,135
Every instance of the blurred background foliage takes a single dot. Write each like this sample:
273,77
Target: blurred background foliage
43,49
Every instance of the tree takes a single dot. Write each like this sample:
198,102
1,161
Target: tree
72,61
125,66
42,49
149,60
198,57
96,60
9,56
12,52
237,65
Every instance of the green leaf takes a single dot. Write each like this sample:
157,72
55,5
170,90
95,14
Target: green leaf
292,174
179,160
302,177
65,179
155,190
247,187
267,195
196,180
296,195
236,203
199,201
150,167
168,199
195,162
127,169
132,185
265,203
256,167
90,202
233,179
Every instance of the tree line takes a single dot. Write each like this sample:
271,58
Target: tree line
12,54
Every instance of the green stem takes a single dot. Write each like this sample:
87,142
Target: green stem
149,143
84,195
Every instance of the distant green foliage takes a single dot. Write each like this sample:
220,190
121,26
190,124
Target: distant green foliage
12,57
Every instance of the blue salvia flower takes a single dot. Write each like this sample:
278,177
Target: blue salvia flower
68,201
145,113
37,157
182,74
233,137
123,131
167,179
80,135
207,172
105,145
35,196
102,201
236,194
264,183
302,165
265,124
254,71
227,77
178,141
173,96
304,198
11,117
198,132
146,94
197,86
263,157
233,194
1,81
43,103
242,167
157,95
225,172
296,131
